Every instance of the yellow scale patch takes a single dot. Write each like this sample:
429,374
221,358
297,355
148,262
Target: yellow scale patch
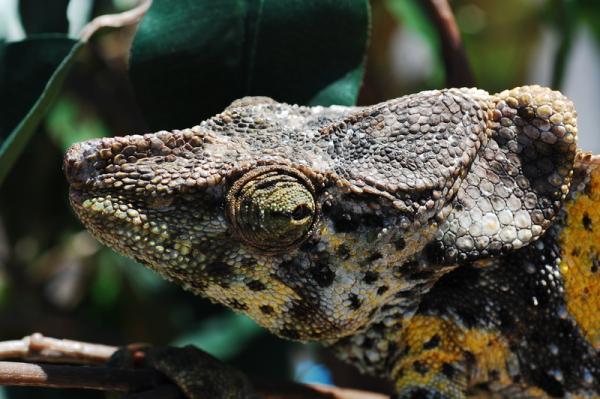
490,350
580,262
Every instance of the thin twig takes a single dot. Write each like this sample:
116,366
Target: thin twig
36,347
139,383
86,377
458,69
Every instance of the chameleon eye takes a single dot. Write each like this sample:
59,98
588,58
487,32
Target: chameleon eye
272,208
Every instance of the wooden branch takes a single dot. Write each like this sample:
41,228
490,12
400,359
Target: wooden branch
140,383
456,63
86,377
36,347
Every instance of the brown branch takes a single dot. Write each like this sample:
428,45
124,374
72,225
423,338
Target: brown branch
151,383
86,377
36,347
456,63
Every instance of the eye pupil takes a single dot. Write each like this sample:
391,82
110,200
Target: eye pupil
300,212
272,208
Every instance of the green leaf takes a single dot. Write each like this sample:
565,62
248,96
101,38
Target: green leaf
189,62
223,336
44,16
31,75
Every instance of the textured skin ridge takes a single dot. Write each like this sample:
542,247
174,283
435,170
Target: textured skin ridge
445,239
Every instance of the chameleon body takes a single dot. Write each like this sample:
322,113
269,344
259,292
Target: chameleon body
447,240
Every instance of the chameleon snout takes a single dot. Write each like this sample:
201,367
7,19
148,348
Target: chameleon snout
78,164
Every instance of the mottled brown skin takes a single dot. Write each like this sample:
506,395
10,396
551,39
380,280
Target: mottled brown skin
426,239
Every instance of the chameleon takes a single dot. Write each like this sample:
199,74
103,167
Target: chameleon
448,240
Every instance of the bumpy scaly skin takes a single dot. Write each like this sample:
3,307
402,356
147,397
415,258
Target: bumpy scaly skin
437,238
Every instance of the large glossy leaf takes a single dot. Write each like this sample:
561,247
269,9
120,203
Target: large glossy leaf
44,16
190,61
32,73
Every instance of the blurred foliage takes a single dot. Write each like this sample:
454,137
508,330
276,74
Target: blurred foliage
194,60
187,63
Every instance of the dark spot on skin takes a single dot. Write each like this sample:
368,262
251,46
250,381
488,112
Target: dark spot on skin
235,304
289,333
587,221
576,251
404,294
322,274
374,256
423,275
248,262
420,368
198,285
409,267
223,283
421,393
372,221
435,254
432,343
595,263
309,245
370,277
493,375
218,269
526,113
387,307
448,370
287,266
481,387
400,373
301,311
381,290
470,358
400,243
266,309
354,302
256,285
343,252
379,327
506,322
551,386
343,223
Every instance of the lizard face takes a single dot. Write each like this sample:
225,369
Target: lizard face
301,256
312,221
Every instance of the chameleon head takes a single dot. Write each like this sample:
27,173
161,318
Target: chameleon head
318,221
273,241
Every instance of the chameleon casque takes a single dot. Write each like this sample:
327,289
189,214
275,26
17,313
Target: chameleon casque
447,240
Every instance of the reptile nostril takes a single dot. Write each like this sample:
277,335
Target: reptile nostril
74,165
